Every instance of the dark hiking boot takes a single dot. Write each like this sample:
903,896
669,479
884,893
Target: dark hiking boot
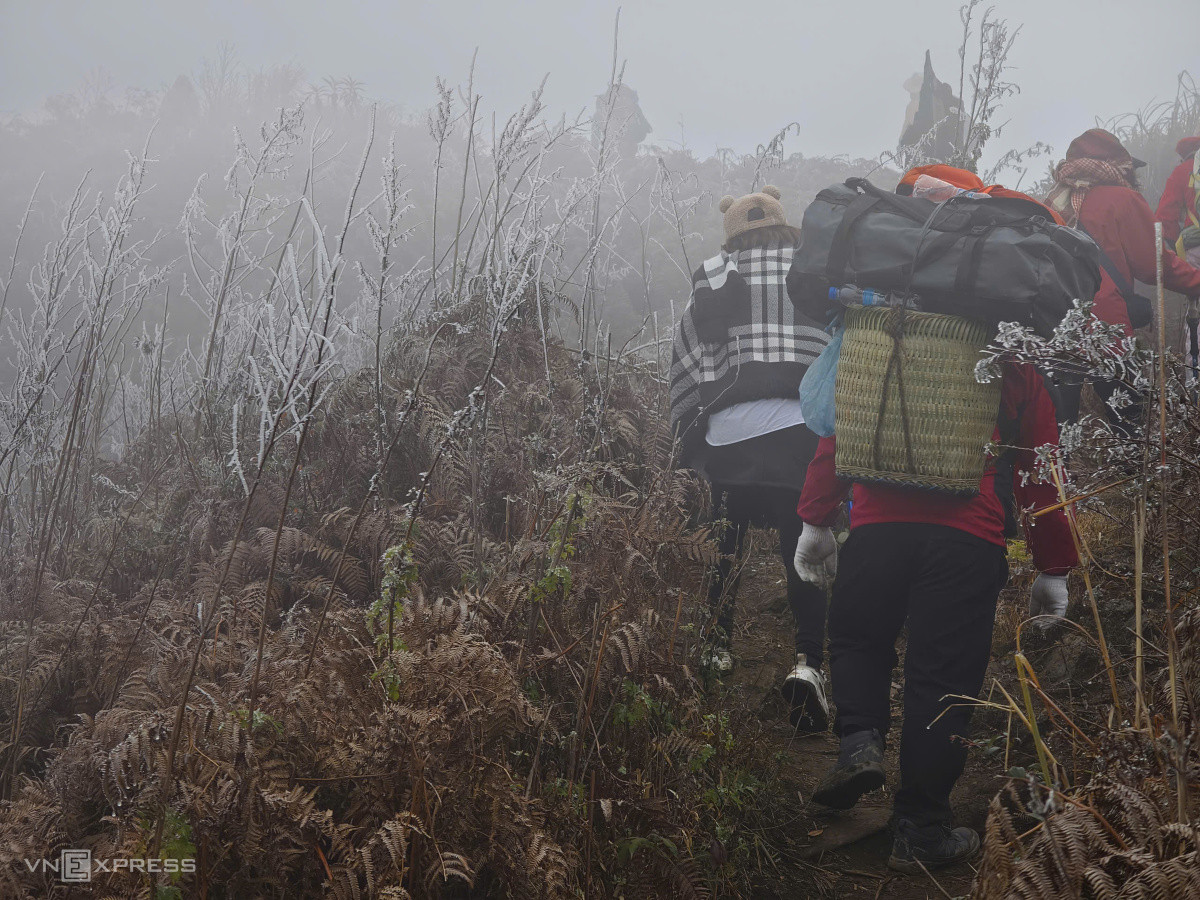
859,770
931,846
804,689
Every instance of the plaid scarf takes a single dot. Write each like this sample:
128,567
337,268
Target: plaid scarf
740,338
1075,177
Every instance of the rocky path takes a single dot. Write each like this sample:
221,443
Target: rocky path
844,852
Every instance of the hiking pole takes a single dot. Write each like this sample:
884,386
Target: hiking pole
1164,509
1192,321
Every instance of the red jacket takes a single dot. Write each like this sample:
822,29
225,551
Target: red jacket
1178,199
1023,399
1120,221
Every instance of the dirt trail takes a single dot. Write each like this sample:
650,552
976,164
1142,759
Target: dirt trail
846,852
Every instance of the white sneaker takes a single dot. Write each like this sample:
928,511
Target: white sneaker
717,660
804,689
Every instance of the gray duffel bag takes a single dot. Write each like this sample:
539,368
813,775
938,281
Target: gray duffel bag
995,258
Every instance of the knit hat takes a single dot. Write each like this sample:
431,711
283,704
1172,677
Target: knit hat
752,211
1188,146
1096,143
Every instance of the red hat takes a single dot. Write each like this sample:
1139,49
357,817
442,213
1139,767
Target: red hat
1096,143
960,178
1188,146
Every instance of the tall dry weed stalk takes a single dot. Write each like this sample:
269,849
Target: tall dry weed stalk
1117,820
379,589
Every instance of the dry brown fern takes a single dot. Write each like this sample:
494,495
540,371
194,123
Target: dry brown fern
1119,841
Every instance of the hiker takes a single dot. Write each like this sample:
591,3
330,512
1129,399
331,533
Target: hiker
1179,212
740,351
1178,206
936,562
1097,191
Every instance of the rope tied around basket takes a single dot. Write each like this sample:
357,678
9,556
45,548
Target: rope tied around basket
894,326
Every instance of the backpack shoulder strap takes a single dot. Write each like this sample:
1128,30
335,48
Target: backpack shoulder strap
1194,184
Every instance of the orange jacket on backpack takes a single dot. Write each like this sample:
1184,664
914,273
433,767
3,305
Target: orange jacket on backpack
969,181
960,178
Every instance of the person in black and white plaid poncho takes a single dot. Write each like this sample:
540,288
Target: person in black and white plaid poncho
740,338
740,350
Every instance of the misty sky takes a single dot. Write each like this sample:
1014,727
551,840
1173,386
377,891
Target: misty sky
712,74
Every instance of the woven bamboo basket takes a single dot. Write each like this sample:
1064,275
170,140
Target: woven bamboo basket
901,368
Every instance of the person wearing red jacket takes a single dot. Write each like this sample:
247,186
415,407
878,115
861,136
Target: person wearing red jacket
1097,191
936,563
1177,210
1177,205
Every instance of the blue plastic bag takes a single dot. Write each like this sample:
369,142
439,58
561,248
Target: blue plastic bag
816,388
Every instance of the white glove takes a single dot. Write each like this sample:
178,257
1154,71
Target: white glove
816,555
1048,597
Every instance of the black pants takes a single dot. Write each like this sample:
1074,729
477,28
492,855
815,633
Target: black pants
944,583
772,507
1066,391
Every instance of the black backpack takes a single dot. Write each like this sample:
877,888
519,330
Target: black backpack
995,259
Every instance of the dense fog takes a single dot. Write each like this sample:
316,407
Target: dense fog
351,545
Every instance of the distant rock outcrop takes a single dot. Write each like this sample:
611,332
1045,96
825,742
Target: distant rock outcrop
180,105
619,115
932,119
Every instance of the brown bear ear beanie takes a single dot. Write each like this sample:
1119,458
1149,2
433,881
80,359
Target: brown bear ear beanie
752,211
